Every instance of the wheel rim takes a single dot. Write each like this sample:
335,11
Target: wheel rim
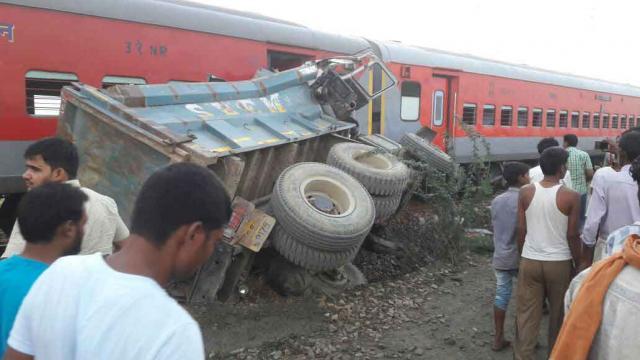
327,196
375,161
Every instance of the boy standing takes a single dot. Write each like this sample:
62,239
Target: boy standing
504,217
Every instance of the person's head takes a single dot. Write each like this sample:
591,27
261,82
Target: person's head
629,146
570,140
182,209
635,173
516,174
50,160
53,215
547,143
553,162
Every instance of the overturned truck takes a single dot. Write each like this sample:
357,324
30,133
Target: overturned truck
284,145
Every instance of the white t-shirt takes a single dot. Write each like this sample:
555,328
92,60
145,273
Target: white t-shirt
536,175
80,308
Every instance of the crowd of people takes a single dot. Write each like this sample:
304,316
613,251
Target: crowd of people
567,234
103,303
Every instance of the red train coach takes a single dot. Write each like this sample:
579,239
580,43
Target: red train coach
45,45
512,106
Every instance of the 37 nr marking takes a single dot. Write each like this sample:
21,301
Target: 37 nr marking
140,48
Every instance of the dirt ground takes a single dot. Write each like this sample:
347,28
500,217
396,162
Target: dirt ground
437,312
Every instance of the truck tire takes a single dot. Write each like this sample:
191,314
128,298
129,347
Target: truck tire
386,206
322,207
309,258
380,173
424,151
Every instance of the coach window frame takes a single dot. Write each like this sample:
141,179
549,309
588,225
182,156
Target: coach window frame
402,100
538,111
508,110
596,122
631,120
486,107
623,121
605,121
577,120
615,121
563,120
49,84
588,118
522,109
473,106
555,118
112,80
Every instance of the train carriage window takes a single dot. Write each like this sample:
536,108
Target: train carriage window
489,115
551,118
563,119
575,120
614,121
438,107
596,121
523,116
108,81
43,91
281,61
410,101
536,120
469,114
506,116
605,121
585,120
623,122
631,121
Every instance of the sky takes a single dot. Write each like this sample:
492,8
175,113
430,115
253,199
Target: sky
593,38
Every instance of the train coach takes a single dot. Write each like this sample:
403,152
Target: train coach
46,45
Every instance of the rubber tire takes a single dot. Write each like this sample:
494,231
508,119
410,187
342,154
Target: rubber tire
352,277
386,206
309,258
313,228
427,152
376,181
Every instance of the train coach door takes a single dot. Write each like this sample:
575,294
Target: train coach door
440,114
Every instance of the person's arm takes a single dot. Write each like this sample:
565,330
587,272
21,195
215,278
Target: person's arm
567,180
521,228
596,211
573,232
12,354
588,168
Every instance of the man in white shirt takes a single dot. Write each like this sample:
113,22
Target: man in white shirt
91,307
535,173
56,160
613,201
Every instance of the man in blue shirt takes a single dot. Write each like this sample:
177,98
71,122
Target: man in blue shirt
504,218
51,219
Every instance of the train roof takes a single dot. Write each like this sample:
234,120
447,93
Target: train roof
205,18
414,55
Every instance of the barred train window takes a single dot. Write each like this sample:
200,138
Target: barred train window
614,121
536,121
551,118
489,115
469,114
523,116
596,121
631,121
623,122
108,81
410,101
506,116
563,119
605,121
43,91
585,120
575,120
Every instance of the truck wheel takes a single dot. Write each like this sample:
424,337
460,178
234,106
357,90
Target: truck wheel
322,207
380,173
427,152
337,281
309,258
386,206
